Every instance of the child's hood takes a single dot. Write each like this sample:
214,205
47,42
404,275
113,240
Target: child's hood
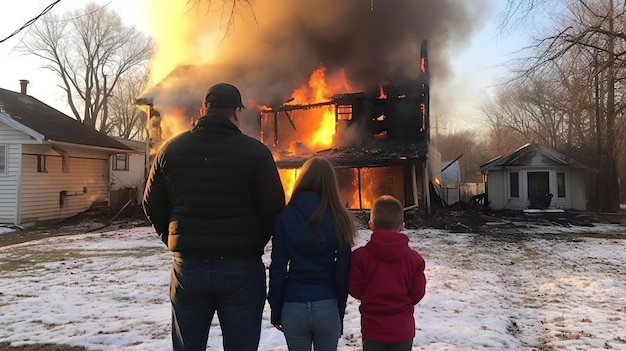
388,245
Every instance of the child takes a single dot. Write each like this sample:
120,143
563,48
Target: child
388,277
311,250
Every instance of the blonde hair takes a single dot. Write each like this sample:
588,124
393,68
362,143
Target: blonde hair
317,175
387,213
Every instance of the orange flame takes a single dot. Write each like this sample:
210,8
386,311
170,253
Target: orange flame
381,94
316,127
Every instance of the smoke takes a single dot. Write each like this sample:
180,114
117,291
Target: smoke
274,45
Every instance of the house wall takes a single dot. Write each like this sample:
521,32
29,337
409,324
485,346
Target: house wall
495,189
577,190
55,194
9,181
498,185
133,177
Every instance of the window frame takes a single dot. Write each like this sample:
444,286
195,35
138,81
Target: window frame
115,165
561,188
514,194
4,157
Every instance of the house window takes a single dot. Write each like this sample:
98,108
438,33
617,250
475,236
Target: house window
3,159
65,164
560,184
41,163
514,182
344,112
120,162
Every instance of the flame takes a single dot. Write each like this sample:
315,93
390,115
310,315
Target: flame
317,126
381,94
183,43
173,123
288,178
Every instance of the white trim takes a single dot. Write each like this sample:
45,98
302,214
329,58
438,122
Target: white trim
91,147
22,128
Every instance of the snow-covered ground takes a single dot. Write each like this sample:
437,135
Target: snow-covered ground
108,291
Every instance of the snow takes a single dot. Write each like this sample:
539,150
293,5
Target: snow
4,229
543,289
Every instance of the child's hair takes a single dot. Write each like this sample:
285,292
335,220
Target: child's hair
387,213
318,175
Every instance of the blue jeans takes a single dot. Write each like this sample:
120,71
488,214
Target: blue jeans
235,288
313,322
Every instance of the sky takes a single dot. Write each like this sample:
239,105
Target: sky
530,290
478,66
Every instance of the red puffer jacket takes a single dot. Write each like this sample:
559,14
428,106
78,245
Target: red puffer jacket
388,277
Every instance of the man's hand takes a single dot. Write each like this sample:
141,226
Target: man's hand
278,326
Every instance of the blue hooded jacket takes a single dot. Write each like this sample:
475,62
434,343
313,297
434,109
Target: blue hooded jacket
307,265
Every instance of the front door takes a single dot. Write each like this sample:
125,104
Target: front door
539,189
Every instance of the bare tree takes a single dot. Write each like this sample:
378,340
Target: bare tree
592,32
91,51
466,145
126,120
229,9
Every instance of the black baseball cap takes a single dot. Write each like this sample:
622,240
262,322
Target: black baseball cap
223,95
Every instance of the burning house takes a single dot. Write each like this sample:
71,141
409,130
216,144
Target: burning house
377,140
346,80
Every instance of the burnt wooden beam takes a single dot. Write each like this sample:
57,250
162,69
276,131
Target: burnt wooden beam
297,107
275,128
290,120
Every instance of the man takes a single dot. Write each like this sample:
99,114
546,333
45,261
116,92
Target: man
213,195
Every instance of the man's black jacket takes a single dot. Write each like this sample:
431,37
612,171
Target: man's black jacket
214,191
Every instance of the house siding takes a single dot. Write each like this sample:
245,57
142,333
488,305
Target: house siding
9,185
56,195
134,177
9,181
500,197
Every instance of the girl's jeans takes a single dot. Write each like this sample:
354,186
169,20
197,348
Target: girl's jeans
311,323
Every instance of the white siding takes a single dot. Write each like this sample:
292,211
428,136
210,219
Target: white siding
12,139
576,190
496,189
41,192
9,185
133,177
9,135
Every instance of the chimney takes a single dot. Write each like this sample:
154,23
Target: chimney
23,85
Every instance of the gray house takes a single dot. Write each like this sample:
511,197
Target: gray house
535,176
52,167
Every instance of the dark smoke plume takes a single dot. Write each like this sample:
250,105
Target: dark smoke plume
271,56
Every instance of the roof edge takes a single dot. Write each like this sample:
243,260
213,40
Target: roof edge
22,128
91,147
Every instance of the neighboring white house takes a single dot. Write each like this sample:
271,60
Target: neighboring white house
52,167
531,173
129,169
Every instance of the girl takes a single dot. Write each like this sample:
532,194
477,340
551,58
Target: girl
311,250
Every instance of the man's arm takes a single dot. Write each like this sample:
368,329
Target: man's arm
270,196
156,204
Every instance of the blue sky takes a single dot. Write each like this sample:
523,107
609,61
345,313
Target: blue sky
477,68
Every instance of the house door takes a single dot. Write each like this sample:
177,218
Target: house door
539,189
